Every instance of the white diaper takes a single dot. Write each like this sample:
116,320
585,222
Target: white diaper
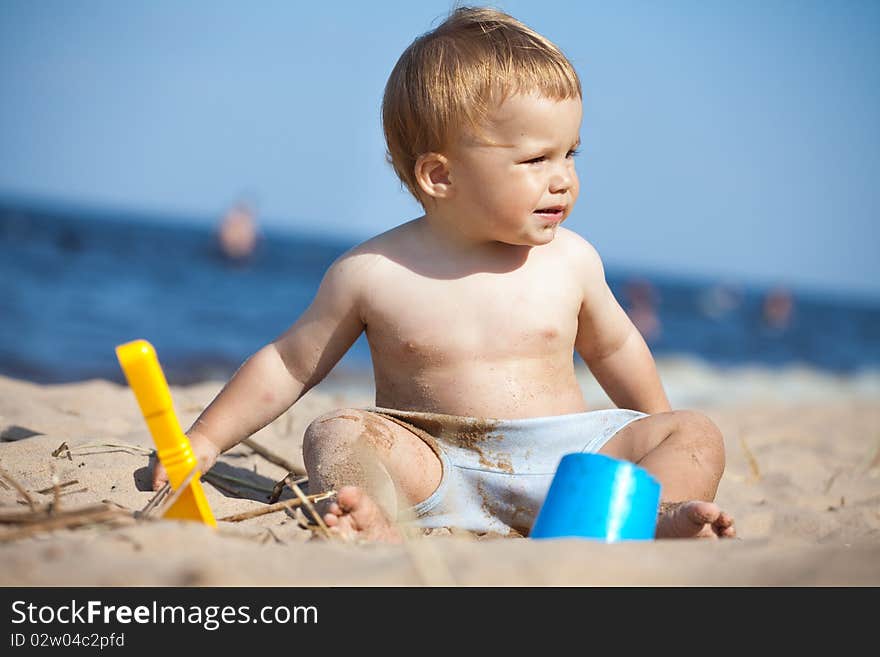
496,473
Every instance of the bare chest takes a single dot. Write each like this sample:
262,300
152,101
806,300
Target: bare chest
477,318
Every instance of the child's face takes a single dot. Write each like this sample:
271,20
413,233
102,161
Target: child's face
521,186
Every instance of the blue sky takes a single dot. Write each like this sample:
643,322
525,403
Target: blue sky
736,140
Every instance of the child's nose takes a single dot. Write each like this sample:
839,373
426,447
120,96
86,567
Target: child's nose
561,180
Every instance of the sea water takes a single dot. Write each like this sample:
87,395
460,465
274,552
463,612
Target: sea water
74,285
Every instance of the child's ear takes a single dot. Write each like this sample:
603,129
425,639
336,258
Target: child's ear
432,175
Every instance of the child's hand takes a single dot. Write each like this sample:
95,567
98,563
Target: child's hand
204,450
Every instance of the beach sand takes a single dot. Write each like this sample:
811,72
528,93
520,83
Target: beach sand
802,480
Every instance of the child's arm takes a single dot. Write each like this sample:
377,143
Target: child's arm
612,346
277,375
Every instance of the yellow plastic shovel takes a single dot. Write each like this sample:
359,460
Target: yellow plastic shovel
144,374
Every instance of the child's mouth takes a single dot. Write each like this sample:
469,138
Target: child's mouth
553,214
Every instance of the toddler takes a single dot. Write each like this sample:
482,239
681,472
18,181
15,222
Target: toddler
473,312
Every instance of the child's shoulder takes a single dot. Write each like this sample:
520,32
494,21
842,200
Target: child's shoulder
576,250
363,259
388,242
379,247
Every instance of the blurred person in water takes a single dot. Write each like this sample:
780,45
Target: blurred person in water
237,233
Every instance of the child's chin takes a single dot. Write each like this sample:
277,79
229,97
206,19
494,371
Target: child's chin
537,237
544,235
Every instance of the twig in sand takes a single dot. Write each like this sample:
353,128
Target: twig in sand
279,487
272,457
21,490
118,506
97,514
105,447
67,493
278,506
267,536
19,517
46,491
42,513
158,497
306,503
61,451
831,480
275,536
753,462
175,495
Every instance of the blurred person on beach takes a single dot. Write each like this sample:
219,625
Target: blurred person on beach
719,300
473,312
237,233
777,308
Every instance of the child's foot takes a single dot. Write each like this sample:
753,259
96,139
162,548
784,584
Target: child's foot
694,520
355,515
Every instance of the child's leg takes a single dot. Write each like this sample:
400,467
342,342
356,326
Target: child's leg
684,450
390,464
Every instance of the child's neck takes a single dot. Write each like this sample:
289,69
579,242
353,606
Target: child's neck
446,236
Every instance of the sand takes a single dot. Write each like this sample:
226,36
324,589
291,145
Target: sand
802,480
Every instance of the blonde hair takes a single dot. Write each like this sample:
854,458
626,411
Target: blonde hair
448,80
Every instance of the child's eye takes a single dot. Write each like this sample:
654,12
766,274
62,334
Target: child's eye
535,160
574,152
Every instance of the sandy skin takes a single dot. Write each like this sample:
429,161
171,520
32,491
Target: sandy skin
695,519
355,516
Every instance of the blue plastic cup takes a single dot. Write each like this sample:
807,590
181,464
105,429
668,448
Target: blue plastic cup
599,497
